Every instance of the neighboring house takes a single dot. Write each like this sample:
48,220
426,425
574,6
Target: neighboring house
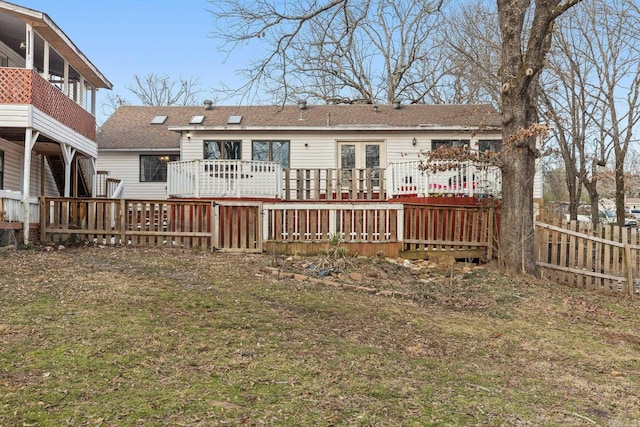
318,147
47,113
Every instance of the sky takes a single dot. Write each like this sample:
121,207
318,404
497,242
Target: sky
123,38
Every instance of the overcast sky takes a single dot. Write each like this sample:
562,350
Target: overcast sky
127,37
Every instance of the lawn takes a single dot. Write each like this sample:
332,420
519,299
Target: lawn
127,337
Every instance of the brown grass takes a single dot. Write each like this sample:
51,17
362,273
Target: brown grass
121,337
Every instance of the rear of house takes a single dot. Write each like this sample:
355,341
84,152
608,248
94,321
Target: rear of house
376,150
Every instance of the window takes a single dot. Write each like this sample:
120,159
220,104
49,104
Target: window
222,150
153,168
158,120
271,151
1,170
4,60
494,145
437,143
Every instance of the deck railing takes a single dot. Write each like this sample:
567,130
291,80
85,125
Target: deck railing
466,178
11,207
239,178
224,178
334,184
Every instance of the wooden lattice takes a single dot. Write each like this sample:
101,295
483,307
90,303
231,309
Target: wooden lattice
21,86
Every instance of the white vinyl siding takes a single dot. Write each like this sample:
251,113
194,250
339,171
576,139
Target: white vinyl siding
126,167
13,162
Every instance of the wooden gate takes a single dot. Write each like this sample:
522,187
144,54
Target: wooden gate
239,226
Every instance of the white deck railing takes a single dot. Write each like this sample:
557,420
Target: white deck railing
11,207
468,178
224,178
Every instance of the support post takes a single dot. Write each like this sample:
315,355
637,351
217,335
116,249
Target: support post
30,139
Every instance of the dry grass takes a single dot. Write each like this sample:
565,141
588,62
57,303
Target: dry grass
124,337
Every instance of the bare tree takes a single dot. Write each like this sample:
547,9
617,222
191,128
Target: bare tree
565,97
471,42
591,91
154,89
613,40
347,52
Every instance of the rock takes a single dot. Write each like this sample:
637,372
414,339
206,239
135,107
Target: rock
61,247
355,276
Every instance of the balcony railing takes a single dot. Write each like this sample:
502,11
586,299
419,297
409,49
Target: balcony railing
237,178
22,86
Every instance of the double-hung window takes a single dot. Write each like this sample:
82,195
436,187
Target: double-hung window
271,151
153,167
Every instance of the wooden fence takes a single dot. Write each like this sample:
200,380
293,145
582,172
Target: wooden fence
466,231
364,228
603,259
148,223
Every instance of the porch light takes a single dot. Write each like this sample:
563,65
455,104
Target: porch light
164,158
414,142
188,135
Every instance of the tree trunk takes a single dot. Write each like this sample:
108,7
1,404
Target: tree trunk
619,175
517,249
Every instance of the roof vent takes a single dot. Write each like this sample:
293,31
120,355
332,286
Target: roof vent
302,104
396,104
234,120
208,104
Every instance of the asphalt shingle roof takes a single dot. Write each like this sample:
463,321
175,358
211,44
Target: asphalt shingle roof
130,126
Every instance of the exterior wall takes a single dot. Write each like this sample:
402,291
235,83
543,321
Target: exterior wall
15,60
13,160
126,167
321,149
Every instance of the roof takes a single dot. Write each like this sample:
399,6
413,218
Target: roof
12,20
130,126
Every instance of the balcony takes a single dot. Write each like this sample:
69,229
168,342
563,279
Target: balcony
254,179
26,87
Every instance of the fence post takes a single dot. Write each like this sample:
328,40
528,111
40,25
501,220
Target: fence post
490,236
43,219
215,225
123,222
629,269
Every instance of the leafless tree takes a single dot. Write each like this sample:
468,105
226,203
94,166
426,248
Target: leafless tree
471,45
155,89
614,49
337,51
591,90
567,104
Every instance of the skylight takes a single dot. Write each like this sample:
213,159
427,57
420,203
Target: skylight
196,120
158,120
234,120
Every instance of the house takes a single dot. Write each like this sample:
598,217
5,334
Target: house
297,151
47,114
